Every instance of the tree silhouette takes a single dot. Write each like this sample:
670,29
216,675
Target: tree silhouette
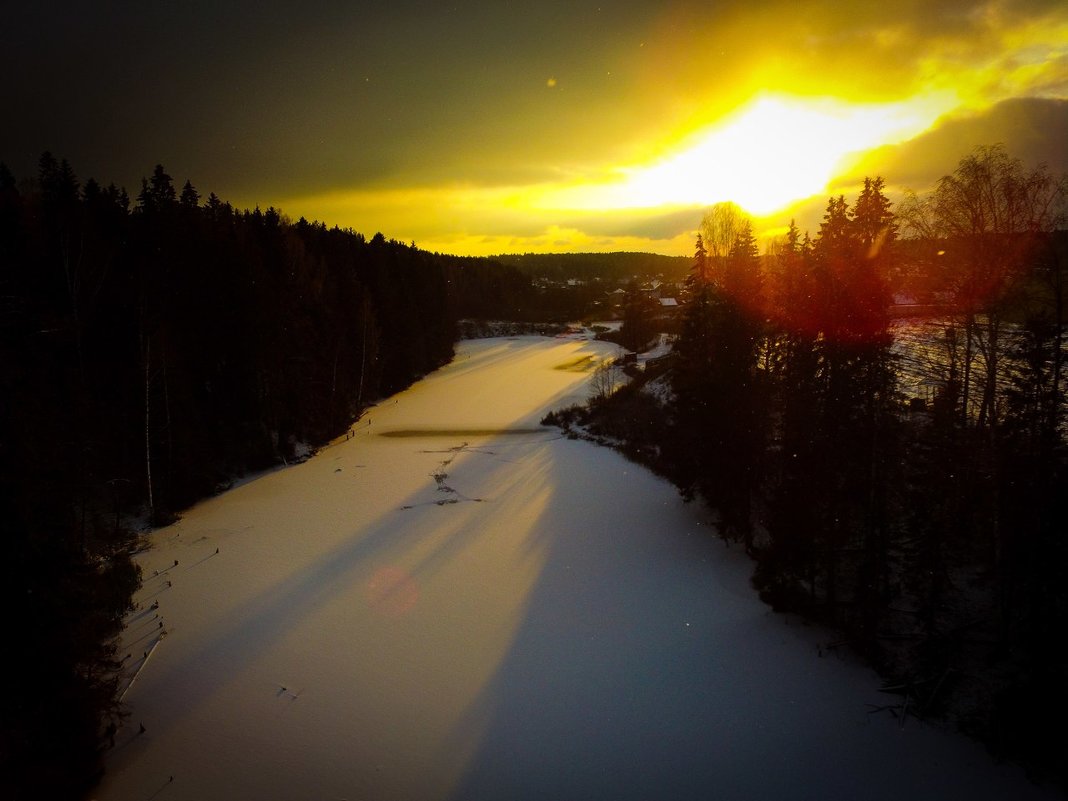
639,312
719,412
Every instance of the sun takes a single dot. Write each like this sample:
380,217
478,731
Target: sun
773,151
768,154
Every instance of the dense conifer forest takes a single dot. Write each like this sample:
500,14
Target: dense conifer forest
154,348
928,529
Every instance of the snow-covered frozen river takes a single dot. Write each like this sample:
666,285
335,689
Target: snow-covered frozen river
458,604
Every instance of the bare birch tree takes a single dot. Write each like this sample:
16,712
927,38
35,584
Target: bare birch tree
987,216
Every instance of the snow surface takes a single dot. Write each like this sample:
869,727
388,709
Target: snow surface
457,604
661,348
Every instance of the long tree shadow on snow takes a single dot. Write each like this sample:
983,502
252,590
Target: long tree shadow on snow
262,621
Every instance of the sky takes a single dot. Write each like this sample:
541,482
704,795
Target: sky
578,125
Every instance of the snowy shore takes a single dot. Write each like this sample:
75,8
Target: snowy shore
455,603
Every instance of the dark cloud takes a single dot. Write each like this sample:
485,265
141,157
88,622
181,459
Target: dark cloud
318,95
1032,129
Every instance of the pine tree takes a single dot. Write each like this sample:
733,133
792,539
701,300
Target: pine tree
190,197
157,194
639,312
719,400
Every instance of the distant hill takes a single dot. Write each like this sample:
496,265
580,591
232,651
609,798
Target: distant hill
614,266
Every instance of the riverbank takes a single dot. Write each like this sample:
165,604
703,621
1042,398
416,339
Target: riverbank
943,654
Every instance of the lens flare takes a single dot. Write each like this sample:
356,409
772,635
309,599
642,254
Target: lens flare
391,592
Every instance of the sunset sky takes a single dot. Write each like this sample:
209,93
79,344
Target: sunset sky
480,128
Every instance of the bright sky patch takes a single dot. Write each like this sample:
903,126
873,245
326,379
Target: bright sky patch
774,151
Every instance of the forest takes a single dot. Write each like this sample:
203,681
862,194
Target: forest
157,348
928,531
621,266
154,350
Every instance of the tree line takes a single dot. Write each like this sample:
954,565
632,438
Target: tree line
928,530
153,349
618,266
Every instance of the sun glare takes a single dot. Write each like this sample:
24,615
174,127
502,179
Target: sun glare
769,154
772,152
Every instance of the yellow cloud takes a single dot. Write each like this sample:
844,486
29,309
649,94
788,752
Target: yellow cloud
773,151
468,220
